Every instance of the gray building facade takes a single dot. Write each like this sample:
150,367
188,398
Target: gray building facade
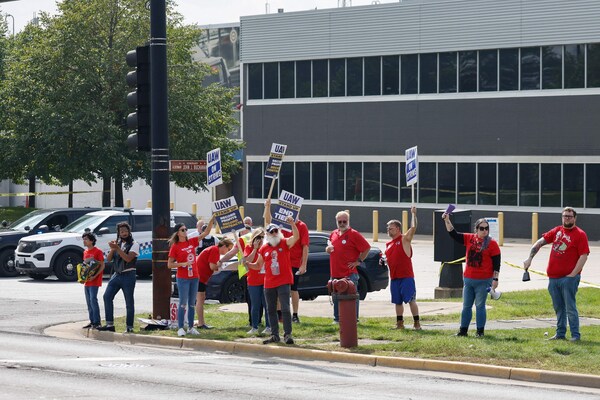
501,98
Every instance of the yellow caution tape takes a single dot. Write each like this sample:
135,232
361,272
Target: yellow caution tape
459,260
544,274
46,193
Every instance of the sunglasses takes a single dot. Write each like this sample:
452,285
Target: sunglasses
484,228
259,238
183,230
342,222
274,231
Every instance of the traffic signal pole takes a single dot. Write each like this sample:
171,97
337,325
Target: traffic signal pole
161,275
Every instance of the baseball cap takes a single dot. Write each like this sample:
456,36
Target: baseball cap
271,228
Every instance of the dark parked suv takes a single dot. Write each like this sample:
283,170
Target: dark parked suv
39,221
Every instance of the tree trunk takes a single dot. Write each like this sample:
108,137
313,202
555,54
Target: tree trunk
118,192
31,202
70,194
106,191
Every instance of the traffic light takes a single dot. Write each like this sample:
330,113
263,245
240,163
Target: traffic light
140,99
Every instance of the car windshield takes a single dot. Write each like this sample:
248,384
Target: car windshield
30,220
85,222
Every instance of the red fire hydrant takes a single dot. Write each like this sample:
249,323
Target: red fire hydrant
345,292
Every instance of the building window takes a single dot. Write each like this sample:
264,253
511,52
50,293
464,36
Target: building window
428,73
592,186
336,181
391,75
405,190
337,77
466,183
286,177
409,74
593,65
303,179
319,181
551,180
353,181
355,76
529,185
255,79
573,185
255,179
486,184
509,69
389,182
448,72
507,184
271,80
467,78
303,79
286,83
574,66
372,76
371,181
488,70
319,78
446,183
426,184
552,67
530,68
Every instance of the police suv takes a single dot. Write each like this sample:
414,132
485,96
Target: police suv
58,253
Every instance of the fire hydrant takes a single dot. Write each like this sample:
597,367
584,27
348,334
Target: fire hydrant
344,291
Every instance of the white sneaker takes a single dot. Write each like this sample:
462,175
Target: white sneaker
193,331
252,331
181,332
267,331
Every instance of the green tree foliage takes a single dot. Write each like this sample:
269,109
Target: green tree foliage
64,97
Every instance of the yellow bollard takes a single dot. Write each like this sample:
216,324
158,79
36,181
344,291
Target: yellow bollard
128,203
404,221
149,204
375,225
534,227
501,228
171,206
195,209
319,220
241,208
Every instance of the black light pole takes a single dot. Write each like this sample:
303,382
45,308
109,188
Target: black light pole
161,275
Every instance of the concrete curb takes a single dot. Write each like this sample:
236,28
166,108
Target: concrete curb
519,374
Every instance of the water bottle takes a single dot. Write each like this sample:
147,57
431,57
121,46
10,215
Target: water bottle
190,271
190,267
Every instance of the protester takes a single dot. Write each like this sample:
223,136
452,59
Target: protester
244,237
570,250
207,263
92,254
255,282
275,256
398,252
209,239
481,272
347,250
123,253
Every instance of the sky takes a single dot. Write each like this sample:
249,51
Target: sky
202,12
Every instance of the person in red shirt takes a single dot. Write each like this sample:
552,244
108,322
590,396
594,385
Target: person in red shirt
570,250
481,272
92,254
275,256
398,252
207,263
255,281
347,250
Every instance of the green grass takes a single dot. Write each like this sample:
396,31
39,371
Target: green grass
12,214
525,348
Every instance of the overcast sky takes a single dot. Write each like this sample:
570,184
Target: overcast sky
202,12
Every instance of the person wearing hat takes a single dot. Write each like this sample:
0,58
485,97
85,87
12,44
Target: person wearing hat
92,254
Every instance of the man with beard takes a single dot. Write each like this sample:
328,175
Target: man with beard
568,256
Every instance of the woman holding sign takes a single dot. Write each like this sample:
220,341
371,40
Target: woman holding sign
481,272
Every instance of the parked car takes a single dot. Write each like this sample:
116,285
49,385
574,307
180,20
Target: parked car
58,253
226,287
36,222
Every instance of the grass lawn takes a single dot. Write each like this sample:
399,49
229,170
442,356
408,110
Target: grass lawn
12,214
524,348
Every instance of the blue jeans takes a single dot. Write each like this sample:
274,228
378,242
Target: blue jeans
188,288
125,282
336,312
257,302
563,292
474,291
91,299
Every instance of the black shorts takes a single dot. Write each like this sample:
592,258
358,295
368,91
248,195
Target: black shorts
294,287
201,287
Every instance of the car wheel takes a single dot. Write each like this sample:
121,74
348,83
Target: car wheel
233,290
363,287
7,263
37,277
65,267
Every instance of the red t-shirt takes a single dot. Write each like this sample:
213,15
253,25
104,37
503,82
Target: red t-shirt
347,247
296,250
567,246
479,263
255,277
205,258
279,254
97,255
182,252
400,264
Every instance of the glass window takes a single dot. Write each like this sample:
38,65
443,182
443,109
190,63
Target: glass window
446,183
448,72
142,223
255,79
573,185
271,80
530,68
405,190
319,78
61,220
529,185
389,182
267,182
509,69
428,73
507,184
337,77
336,181
592,186
355,76
486,184
286,177
111,223
426,184
409,74
303,79
391,75
467,76
353,181
574,66
255,179
303,179
466,183
286,73
550,196
372,76
319,181
552,67
593,65
371,182
488,71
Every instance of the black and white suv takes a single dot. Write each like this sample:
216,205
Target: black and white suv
59,253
